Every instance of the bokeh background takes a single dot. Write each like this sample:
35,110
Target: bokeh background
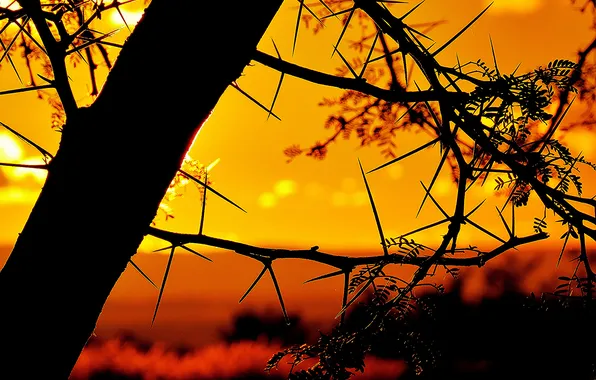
298,204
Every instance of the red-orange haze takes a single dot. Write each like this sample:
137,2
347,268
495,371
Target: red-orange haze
218,361
301,204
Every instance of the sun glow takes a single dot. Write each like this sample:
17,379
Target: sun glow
124,17
13,5
284,188
10,150
38,174
212,165
14,195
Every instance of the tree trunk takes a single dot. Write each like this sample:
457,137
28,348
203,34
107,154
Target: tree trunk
114,164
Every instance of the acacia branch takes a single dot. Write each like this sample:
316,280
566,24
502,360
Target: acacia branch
55,54
24,166
337,261
355,84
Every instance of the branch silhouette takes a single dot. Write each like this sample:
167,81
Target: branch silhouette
487,130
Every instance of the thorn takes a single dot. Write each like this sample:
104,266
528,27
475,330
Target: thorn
278,291
461,31
343,31
374,209
324,276
250,288
189,176
163,284
142,273
235,85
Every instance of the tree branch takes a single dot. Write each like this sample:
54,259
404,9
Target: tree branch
337,261
355,84
55,54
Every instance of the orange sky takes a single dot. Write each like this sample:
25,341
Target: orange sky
309,202
306,202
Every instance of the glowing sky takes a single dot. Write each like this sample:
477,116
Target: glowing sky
309,202
515,6
306,202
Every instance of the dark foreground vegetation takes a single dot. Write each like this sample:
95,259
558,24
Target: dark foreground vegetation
513,336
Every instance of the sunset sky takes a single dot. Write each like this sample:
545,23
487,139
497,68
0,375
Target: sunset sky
305,202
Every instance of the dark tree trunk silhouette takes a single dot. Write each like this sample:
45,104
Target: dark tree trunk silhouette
114,164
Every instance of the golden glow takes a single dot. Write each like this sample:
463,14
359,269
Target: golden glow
442,187
395,171
313,190
21,173
10,150
11,4
150,244
212,165
348,184
515,6
360,198
132,17
267,200
339,199
284,188
581,141
12,195
487,121
328,201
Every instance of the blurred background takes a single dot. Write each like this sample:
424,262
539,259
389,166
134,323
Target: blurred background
201,329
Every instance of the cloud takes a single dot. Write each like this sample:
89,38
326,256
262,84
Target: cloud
514,6
217,361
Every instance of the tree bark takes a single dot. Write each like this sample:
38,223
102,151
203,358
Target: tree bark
115,161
